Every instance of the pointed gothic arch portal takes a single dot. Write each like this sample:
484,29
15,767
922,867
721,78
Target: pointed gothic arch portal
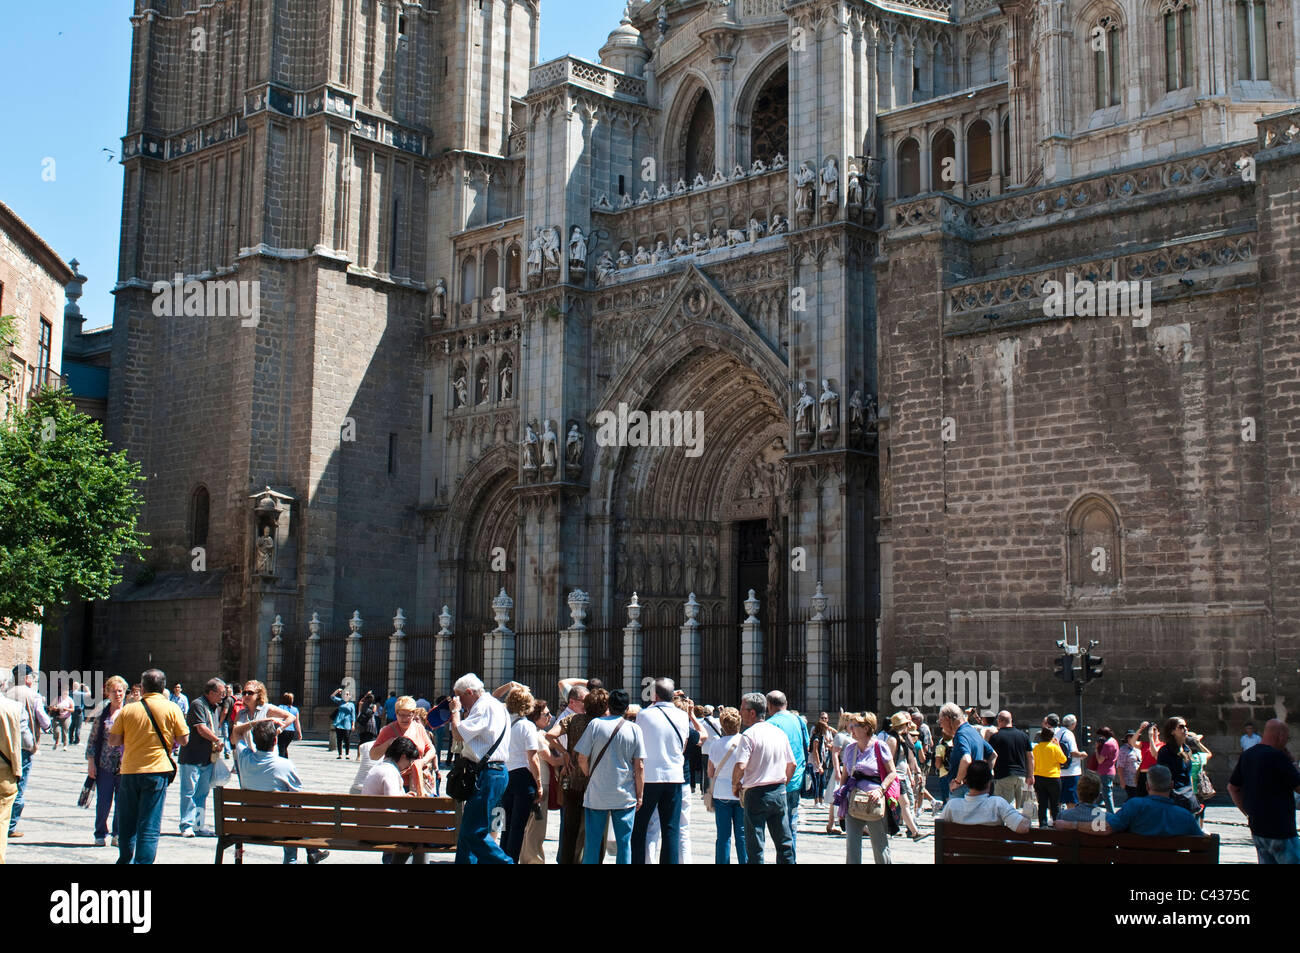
769,123
699,146
487,550
708,524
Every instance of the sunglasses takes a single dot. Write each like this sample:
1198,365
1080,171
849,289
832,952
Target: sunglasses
250,693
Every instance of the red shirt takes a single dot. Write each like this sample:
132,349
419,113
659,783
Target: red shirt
417,734
1148,755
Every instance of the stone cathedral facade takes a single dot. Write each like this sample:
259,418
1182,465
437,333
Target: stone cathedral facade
821,228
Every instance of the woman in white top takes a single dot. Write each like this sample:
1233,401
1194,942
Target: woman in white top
728,814
535,832
869,768
524,787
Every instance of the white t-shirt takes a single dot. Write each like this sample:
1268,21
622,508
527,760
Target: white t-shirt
712,731
522,739
988,810
723,765
384,780
1074,767
764,751
486,722
665,729
363,769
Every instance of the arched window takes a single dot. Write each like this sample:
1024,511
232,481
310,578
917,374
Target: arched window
199,512
513,264
769,123
1176,18
1094,558
909,168
940,84
491,271
979,152
468,286
1104,38
1252,39
943,161
699,145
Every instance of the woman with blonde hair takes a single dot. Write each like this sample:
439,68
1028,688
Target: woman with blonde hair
524,777
867,768
104,760
256,706
728,813
408,723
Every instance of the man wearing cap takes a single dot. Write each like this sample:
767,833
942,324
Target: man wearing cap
32,721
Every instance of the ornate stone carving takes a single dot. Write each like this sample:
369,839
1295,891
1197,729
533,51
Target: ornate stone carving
709,570
573,445
577,250
803,187
529,452
549,443
828,190
830,414
803,410
605,267
265,553
535,253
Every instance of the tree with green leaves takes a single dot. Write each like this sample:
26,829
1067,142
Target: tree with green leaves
68,510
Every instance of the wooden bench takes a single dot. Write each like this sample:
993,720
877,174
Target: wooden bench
397,825
977,844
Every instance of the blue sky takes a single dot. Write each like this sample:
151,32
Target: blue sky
66,66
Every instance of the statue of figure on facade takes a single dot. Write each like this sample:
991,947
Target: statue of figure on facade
674,567
460,393
857,413
680,247
709,573
549,446
535,253
438,307
755,230
780,224
829,191
551,247
699,244
855,188
642,256
718,240
871,189
692,565
621,567
803,187
573,444
661,20
528,448
636,566
577,249
661,253
266,553
873,415
656,567
830,408
803,410
506,378
605,267
624,259
484,386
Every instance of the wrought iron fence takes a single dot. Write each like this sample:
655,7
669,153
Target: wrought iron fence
785,660
373,676
333,665
421,658
662,651
853,663
605,648
467,646
291,669
720,663
537,660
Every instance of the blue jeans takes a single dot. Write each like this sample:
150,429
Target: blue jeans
729,816
140,802
106,786
792,810
766,805
666,798
594,847
196,782
474,844
1107,799
22,788
1277,850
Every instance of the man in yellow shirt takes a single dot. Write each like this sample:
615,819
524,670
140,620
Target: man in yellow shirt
11,765
148,730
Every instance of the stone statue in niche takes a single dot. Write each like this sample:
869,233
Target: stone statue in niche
780,224
709,575
830,408
857,415
699,244
661,253
577,249
636,566
507,381
624,259
535,247
265,553
621,584
656,566
528,450
803,410
692,565
460,393
803,187
873,416
551,247
438,307
855,188
830,183
718,240
549,442
484,387
680,247
605,267
642,256
755,230
573,444
674,568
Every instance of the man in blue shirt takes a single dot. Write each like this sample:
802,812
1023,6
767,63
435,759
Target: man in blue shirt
967,745
1154,815
262,769
797,731
390,708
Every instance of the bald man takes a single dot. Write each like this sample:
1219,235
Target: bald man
1011,774
1263,786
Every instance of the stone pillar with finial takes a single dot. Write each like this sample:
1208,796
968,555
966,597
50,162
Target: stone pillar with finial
352,668
575,651
633,645
442,652
275,659
499,645
397,655
311,666
817,647
689,678
751,647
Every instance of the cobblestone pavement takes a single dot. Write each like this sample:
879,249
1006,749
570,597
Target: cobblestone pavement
56,831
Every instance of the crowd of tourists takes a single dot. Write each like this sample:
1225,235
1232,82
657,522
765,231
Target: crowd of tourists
623,777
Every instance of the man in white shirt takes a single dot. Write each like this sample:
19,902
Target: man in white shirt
1063,729
1249,739
764,765
483,731
665,729
980,807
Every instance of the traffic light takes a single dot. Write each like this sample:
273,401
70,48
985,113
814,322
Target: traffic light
1085,736
1065,668
1092,667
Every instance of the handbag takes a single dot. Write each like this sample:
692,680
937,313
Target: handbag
462,780
166,748
83,799
718,778
864,808
1204,789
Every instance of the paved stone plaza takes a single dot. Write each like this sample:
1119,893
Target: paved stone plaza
58,832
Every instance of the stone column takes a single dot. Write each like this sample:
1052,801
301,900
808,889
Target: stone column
751,647
397,655
311,666
442,650
633,649
352,667
924,178
575,650
499,645
996,152
275,659
691,682
817,649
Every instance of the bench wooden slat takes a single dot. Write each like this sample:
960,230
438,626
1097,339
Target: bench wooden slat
966,844
248,831
332,816
340,843
235,796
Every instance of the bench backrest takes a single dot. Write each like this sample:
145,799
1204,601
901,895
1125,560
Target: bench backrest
384,820
978,844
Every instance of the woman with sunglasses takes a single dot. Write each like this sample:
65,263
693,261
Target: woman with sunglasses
1176,755
408,724
256,707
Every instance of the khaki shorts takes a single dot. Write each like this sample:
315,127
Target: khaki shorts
1011,789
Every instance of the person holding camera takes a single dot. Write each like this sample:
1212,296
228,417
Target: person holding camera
345,716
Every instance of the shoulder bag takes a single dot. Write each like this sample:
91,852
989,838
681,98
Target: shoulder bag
166,748
612,735
462,780
674,727
861,806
